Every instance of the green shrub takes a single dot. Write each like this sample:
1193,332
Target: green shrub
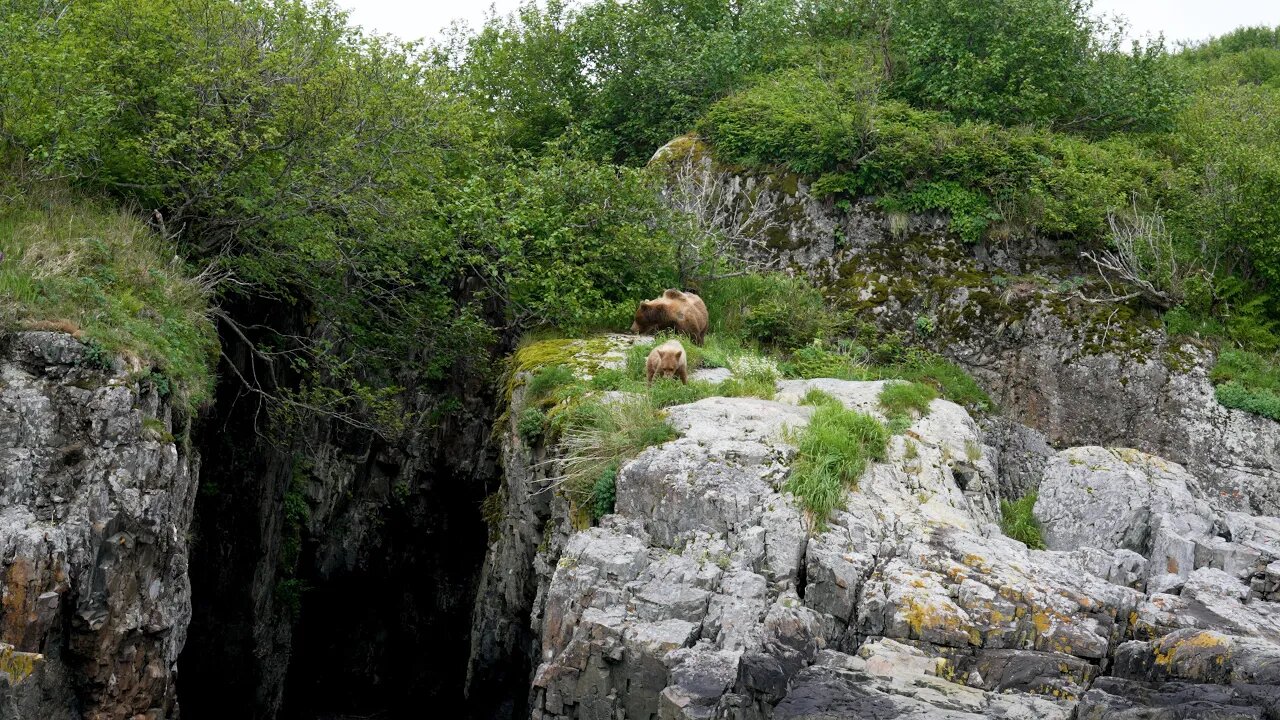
604,493
1018,521
833,452
1248,381
530,425
1259,401
770,308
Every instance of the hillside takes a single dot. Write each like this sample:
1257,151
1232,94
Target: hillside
317,398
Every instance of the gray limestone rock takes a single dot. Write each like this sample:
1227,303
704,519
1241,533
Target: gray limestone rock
95,506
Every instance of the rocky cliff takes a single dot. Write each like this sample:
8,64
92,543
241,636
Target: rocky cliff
330,556
96,497
1020,313
708,593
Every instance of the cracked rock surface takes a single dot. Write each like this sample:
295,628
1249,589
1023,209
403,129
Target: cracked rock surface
95,504
710,594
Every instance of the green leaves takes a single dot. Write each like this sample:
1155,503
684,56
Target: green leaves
565,241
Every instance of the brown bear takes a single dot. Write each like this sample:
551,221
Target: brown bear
683,311
667,360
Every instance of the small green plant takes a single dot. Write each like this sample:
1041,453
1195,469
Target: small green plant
833,452
157,429
911,450
288,596
819,398
547,380
530,425
924,324
1018,521
972,451
907,399
604,493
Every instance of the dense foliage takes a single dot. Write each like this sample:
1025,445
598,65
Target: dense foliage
404,204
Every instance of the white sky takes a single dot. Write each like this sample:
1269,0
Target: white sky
1178,19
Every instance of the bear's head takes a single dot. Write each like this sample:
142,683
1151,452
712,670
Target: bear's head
650,316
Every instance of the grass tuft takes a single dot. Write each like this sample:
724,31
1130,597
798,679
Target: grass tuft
1018,521
907,399
598,436
73,265
834,450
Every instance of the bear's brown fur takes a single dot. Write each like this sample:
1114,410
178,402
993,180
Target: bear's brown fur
667,360
674,309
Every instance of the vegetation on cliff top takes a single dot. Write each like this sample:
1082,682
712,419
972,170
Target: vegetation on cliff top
76,265
406,206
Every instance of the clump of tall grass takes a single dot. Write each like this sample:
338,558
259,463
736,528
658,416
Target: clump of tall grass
834,450
1018,521
71,264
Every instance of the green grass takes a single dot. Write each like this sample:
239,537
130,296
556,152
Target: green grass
769,308
1248,381
544,383
72,264
849,361
1018,521
599,436
834,450
906,398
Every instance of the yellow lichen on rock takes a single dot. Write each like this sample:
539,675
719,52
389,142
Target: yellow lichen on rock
17,666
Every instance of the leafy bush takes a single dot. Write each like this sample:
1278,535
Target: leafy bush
1248,381
604,493
1026,61
1259,401
530,425
1018,521
833,452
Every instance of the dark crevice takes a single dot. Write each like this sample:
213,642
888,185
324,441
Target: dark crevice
363,608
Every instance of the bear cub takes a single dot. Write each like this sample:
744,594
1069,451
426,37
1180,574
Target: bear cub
674,309
667,360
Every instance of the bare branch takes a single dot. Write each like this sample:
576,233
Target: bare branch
1143,257
728,225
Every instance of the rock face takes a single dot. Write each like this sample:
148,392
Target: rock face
334,569
95,506
710,594
1010,312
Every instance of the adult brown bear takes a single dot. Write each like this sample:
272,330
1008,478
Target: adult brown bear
683,311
